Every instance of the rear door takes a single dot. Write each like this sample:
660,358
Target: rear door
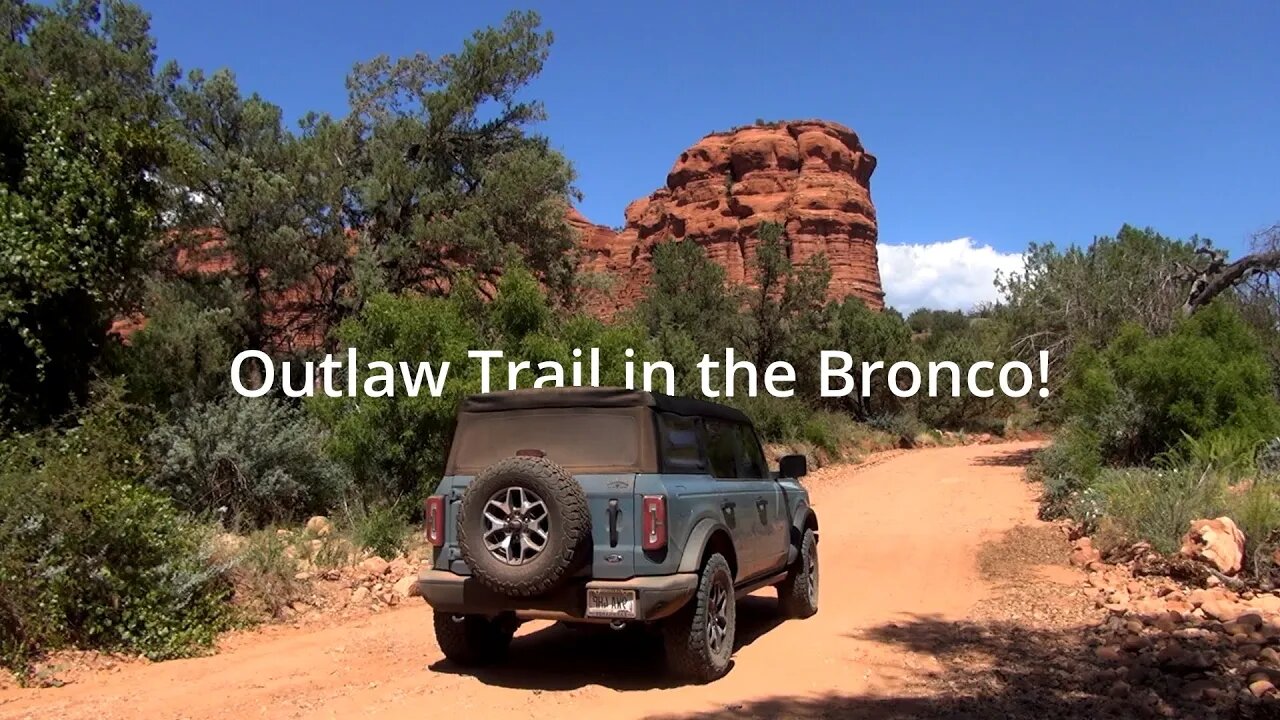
769,507
737,494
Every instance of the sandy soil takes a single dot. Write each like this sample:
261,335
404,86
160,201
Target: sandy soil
902,540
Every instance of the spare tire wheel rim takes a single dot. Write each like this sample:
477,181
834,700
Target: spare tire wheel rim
516,525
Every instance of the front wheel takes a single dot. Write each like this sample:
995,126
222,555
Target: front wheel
798,594
474,639
699,637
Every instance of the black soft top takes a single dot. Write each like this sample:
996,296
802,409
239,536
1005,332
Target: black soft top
598,397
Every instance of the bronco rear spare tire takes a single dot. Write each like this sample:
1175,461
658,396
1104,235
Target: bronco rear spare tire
522,526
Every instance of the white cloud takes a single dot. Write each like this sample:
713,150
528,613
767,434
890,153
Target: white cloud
951,275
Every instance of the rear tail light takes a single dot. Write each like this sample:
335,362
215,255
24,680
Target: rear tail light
653,522
435,520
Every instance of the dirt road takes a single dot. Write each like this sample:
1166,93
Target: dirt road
899,544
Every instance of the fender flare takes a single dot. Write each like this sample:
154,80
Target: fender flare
803,517
691,560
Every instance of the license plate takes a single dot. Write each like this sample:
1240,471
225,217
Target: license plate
611,603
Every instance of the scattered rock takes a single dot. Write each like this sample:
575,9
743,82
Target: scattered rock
1224,610
1260,688
1083,552
1268,603
1218,542
360,595
319,526
375,566
406,586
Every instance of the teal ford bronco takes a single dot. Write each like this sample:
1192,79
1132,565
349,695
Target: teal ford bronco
613,506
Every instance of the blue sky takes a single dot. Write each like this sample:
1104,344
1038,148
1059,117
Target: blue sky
1004,123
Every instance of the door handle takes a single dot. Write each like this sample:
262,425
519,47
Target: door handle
614,512
762,504
727,506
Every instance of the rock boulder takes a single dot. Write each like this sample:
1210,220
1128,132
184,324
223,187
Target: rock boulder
1218,542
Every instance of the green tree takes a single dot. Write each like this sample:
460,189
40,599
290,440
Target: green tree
1063,298
78,198
447,175
433,179
180,357
868,336
396,446
243,200
74,232
688,309
785,306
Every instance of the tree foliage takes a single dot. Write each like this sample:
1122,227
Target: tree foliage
78,200
241,191
1063,298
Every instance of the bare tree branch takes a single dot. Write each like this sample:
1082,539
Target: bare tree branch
1219,276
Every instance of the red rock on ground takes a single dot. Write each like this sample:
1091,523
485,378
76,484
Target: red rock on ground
1083,552
1217,542
812,176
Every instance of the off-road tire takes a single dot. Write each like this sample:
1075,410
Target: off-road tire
569,528
689,652
798,594
474,640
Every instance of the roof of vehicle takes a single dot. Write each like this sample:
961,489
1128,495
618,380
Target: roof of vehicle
597,397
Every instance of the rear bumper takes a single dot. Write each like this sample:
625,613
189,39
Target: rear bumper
656,597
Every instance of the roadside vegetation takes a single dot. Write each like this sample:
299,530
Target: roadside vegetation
142,502
1164,414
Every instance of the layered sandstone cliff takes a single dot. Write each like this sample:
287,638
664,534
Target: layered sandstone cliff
813,177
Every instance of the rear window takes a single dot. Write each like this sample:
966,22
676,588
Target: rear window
577,439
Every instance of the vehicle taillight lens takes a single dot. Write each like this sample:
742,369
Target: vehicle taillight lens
653,522
435,520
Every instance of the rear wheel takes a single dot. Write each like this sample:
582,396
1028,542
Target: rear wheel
474,639
798,594
699,637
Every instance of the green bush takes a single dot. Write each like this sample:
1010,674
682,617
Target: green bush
181,356
1067,468
1159,505
791,420
1148,395
396,446
249,461
1233,455
904,426
381,529
1256,511
89,557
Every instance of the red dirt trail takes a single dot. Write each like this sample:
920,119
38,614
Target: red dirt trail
899,540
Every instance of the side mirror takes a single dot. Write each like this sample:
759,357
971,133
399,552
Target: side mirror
793,466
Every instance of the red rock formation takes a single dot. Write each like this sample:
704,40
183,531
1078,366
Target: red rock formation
813,177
